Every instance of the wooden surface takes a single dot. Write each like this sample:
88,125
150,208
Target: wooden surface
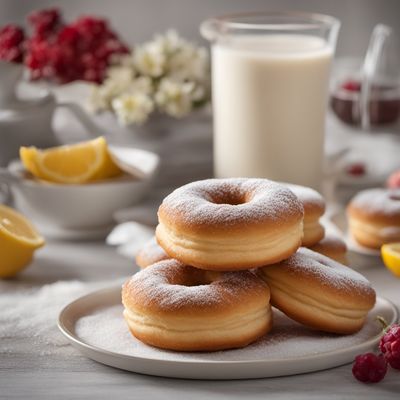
29,372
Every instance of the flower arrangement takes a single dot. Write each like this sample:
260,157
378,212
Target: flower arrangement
61,52
168,75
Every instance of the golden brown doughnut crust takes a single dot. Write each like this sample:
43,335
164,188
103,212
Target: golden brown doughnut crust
313,202
332,247
178,307
314,207
150,253
374,217
230,224
319,292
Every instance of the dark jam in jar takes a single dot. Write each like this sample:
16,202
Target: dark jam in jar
384,104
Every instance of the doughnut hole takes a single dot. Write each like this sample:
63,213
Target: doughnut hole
194,277
230,197
230,224
174,306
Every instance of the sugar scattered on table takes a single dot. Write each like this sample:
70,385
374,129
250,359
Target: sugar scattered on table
30,316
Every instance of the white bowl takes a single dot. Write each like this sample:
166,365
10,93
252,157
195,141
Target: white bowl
76,211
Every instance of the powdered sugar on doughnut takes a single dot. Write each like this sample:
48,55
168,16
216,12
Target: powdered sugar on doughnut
235,201
308,196
384,202
164,284
328,271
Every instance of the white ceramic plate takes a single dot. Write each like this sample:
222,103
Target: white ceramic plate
94,325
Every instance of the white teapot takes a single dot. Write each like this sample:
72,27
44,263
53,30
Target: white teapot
28,121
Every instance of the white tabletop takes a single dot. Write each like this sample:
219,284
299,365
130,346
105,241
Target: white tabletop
31,367
67,374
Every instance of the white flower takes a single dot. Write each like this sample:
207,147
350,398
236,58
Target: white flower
96,102
101,96
132,108
189,63
170,42
125,60
174,98
120,81
150,60
123,74
199,93
168,73
141,84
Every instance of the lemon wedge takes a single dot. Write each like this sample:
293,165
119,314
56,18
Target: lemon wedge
391,257
18,241
71,164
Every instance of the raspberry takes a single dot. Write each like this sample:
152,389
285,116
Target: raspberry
356,169
45,22
12,39
351,86
390,346
68,36
369,367
62,64
64,53
393,181
37,58
94,27
110,47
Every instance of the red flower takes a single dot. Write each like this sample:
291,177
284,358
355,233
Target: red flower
12,39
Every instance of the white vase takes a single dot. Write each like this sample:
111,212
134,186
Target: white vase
10,75
26,118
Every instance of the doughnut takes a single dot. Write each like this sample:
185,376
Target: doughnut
332,247
374,217
230,224
319,292
150,253
174,306
314,208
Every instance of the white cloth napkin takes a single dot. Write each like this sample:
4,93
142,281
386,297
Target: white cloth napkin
129,238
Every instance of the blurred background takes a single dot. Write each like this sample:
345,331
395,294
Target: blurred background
356,157
137,20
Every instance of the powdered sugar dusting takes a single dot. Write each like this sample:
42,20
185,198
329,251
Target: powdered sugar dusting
107,330
175,286
381,201
329,272
28,316
227,202
307,196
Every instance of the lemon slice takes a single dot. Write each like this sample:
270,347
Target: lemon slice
71,164
18,241
391,257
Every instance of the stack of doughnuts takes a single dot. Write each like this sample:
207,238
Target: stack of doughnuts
314,235
225,251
